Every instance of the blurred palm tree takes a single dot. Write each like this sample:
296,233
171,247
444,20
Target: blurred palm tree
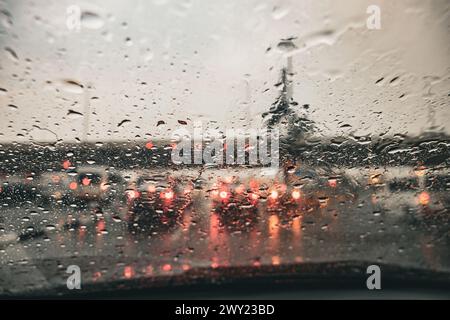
286,115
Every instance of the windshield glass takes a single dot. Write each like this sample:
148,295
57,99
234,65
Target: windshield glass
250,136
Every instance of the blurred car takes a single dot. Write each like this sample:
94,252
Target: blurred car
438,180
95,183
415,193
238,218
157,199
17,192
433,200
399,178
17,189
306,187
53,186
243,189
230,194
403,184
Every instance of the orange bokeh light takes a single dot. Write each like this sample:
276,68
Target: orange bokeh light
332,183
274,194
128,272
167,267
149,145
66,164
169,195
424,198
295,194
223,194
254,196
73,186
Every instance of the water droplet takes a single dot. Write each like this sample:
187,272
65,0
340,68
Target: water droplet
72,86
286,45
128,41
6,19
379,82
123,122
279,13
91,20
11,54
394,81
72,114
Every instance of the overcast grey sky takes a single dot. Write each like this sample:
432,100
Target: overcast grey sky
218,62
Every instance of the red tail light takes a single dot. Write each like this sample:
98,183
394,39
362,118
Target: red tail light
149,145
424,198
128,272
86,181
332,183
73,186
167,267
274,195
66,164
132,194
253,196
296,195
223,195
168,195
